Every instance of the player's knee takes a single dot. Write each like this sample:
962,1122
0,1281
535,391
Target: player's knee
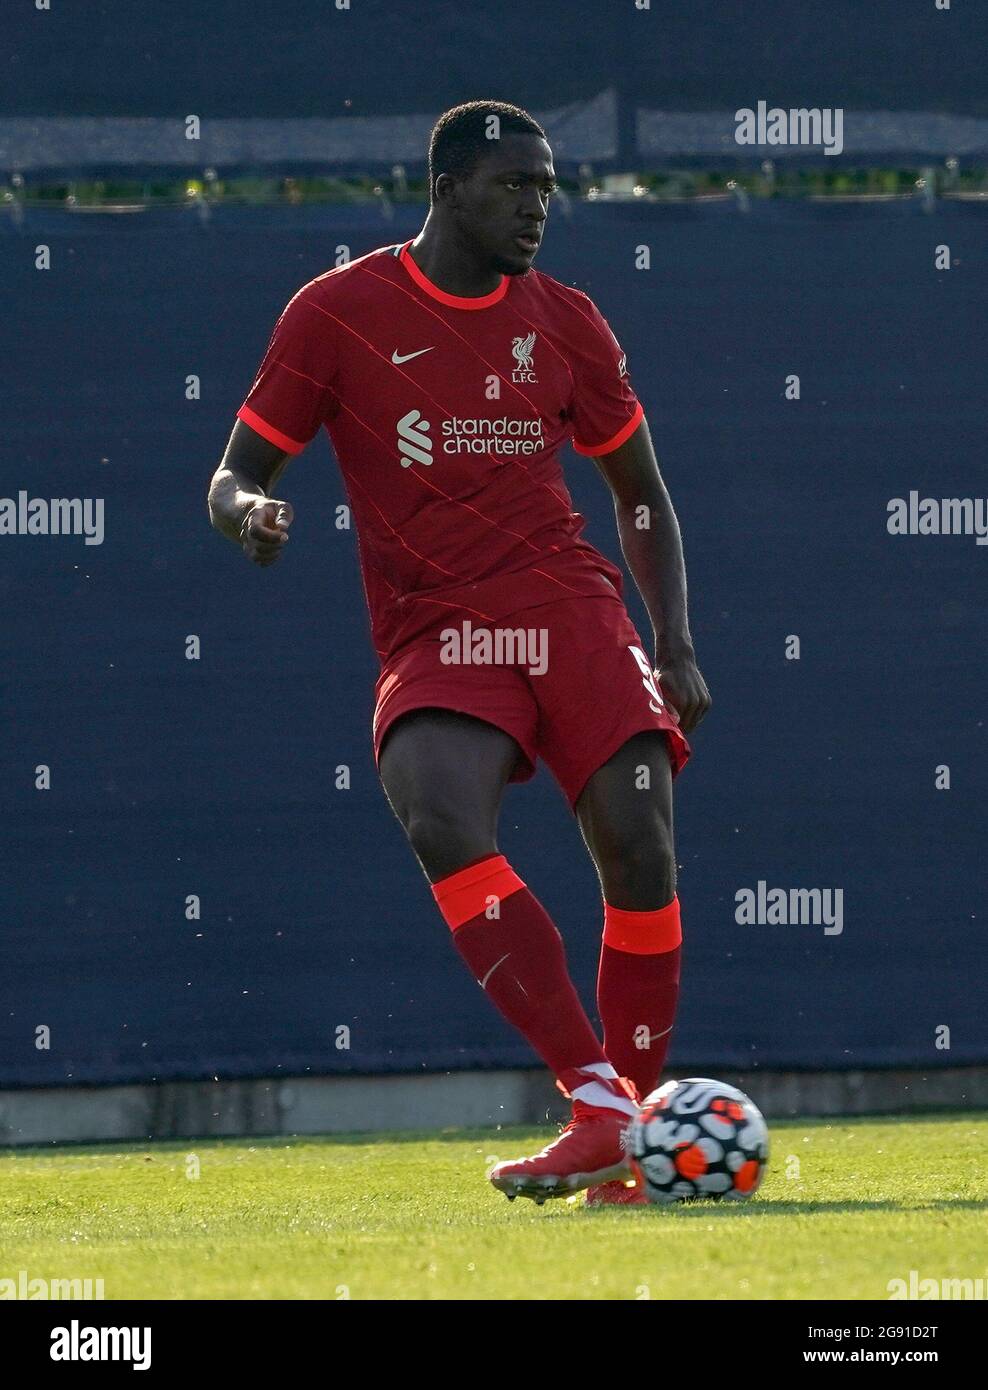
639,867
444,840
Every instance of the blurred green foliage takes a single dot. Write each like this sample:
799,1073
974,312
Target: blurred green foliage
768,181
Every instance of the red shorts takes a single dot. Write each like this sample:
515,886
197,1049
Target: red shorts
595,692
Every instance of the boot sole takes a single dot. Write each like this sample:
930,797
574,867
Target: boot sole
545,1186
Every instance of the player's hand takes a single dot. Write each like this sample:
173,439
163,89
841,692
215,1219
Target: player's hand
265,530
684,689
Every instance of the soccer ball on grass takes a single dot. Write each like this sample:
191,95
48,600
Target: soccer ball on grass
698,1138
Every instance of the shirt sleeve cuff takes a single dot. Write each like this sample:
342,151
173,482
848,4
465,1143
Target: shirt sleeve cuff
615,442
268,432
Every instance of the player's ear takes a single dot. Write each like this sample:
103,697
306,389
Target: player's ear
445,189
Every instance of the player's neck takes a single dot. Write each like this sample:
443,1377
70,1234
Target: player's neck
450,266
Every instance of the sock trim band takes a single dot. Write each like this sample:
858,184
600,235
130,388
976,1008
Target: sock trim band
464,895
643,933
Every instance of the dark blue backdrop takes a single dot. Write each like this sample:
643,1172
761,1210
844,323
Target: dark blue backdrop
309,58
98,87
216,777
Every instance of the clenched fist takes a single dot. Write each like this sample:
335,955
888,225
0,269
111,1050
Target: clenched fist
265,530
684,689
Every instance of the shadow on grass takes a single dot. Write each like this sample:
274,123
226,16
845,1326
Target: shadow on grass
704,1209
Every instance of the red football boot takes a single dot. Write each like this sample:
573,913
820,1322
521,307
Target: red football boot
590,1150
616,1194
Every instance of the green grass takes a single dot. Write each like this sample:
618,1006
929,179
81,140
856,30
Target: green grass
845,1207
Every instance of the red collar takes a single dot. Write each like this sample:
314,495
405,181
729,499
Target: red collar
454,301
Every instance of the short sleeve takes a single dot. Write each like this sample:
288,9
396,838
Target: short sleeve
292,394
604,409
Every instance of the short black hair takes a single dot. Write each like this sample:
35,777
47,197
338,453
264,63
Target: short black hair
459,139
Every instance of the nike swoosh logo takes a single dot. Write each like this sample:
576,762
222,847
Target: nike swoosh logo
483,983
397,358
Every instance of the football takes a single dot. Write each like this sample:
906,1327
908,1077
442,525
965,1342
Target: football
698,1138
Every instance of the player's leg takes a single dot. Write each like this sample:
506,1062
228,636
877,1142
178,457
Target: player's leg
603,729
625,814
614,744
444,774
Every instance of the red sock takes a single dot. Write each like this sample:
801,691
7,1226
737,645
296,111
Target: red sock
518,959
638,988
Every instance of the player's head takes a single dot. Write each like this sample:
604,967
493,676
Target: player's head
490,179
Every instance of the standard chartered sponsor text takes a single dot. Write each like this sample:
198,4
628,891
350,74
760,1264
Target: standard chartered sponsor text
502,435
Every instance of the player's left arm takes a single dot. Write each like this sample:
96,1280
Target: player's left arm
653,547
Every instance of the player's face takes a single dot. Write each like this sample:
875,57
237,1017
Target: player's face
503,205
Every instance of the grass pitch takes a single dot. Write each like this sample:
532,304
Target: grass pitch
846,1206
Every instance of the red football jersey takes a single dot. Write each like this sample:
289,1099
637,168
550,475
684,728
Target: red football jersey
447,415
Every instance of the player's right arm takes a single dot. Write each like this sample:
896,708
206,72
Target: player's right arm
291,397
241,505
